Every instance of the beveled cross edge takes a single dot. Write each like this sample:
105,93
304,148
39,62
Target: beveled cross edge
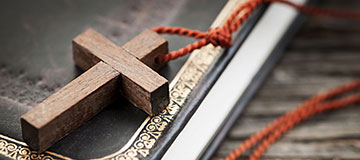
110,69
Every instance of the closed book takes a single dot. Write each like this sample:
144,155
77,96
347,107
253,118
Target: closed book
36,61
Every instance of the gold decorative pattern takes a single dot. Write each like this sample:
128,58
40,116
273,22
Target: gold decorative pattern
178,94
14,149
152,130
140,145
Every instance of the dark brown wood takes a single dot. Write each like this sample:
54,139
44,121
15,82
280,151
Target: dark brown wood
139,84
110,69
70,107
148,41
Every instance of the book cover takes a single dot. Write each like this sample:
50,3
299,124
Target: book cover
36,60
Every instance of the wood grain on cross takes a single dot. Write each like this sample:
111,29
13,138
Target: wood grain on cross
110,70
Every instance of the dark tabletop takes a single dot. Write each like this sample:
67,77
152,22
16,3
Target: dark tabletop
325,53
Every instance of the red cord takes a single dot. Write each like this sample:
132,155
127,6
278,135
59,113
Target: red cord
221,36
310,107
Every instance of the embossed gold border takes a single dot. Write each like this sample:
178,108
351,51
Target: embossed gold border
151,129
18,150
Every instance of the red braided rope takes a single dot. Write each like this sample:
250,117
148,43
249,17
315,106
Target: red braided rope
313,106
221,36
310,107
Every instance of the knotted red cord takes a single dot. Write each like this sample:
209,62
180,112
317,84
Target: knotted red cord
221,36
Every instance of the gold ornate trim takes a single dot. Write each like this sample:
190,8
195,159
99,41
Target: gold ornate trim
18,150
151,129
148,133
179,92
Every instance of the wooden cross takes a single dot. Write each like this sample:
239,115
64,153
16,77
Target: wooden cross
110,69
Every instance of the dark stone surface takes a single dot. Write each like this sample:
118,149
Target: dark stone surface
36,59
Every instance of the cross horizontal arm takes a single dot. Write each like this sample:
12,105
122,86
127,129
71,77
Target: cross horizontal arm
147,46
139,84
110,69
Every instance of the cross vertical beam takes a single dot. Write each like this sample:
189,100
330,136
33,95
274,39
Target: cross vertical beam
139,84
110,70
